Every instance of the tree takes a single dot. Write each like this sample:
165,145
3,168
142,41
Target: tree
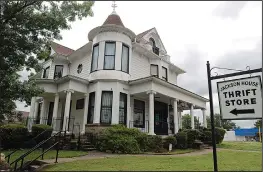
258,123
186,122
26,29
226,124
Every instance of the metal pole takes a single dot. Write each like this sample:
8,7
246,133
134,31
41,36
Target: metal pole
212,116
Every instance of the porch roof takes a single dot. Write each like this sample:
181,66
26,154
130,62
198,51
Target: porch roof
167,85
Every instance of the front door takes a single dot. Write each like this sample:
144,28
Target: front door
160,118
50,113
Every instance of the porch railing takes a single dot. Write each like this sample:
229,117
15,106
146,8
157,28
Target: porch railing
143,126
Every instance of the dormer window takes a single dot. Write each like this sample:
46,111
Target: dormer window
58,71
46,72
154,48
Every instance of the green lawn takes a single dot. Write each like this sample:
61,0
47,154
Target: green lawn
49,155
174,152
254,146
227,160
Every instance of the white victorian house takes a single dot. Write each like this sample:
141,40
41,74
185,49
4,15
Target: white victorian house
118,77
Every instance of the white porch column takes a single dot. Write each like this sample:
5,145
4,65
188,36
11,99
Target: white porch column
192,116
96,118
204,118
32,107
128,110
151,112
180,120
67,108
55,112
43,110
85,115
36,109
176,127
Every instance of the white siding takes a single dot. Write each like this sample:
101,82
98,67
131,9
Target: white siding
86,64
172,77
140,66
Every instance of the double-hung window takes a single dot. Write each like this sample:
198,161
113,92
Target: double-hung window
109,55
164,73
123,109
154,70
125,58
106,107
58,71
139,113
95,57
91,107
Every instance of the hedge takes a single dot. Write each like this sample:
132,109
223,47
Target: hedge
38,129
219,134
181,139
169,140
192,135
13,135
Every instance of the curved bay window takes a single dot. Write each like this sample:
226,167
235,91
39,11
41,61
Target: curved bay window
123,109
58,71
139,113
109,55
106,107
125,58
95,57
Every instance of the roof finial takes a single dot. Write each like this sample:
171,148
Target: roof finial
114,5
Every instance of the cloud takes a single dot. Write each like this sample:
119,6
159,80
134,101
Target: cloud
229,9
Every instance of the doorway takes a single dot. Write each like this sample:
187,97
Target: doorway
160,118
50,113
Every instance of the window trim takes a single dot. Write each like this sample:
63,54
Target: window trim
55,70
153,41
125,108
89,108
92,59
143,125
44,72
166,70
111,42
128,63
108,107
157,70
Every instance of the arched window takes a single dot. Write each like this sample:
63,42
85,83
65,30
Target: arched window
152,42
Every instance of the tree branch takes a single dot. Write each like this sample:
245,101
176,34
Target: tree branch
19,10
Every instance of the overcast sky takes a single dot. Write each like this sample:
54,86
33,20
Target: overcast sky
228,34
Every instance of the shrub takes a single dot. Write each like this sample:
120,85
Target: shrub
192,135
155,144
142,141
206,137
38,129
169,140
219,134
181,139
119,139
13,135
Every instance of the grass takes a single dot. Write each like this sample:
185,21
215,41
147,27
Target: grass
49,155
227,160
174,152
251,146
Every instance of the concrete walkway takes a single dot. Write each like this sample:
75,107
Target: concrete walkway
97,155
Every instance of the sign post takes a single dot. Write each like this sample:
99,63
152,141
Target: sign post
239,99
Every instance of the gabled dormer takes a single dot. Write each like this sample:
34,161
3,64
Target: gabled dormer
151,40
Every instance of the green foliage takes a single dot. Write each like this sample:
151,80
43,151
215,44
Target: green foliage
186,122
181,138
155,144
192,135
258,123
169,140
219,134
38,129
26,29
206,137
119,139
13,135
226,124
